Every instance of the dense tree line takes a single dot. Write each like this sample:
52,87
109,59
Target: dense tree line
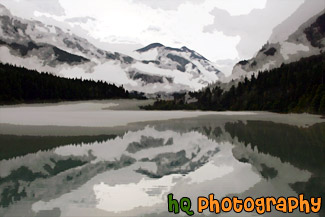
295,87
23,145
22,85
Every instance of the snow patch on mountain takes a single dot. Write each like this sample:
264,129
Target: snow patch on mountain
289,48
149,55
154,68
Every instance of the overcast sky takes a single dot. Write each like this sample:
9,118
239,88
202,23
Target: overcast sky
218,29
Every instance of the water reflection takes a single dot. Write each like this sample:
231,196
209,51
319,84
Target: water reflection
131,174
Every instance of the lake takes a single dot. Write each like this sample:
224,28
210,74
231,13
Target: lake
105,158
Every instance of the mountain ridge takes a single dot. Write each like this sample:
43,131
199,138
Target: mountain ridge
294,87
35,45
306,41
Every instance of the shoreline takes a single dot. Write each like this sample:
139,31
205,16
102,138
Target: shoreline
118,116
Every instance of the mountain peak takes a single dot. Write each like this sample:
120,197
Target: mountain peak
194,54
186,49
4,11
149,47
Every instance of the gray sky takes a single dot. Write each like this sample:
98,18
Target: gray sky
218,29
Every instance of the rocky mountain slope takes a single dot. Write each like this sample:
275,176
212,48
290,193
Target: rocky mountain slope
308,40
152,69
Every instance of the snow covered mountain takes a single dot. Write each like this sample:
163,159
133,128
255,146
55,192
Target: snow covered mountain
182,66
308,40
152,69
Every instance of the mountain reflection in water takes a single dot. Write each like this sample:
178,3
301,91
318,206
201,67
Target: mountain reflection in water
132,173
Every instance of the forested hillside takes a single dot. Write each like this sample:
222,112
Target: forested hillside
22,85
296,87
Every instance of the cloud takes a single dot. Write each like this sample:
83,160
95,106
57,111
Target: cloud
174,23
125,21
80,19
153,28
26,8
218,29
300,16
51,6
226,65
254,28
166,4
234,7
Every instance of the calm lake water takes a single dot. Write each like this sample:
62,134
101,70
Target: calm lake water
129,169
